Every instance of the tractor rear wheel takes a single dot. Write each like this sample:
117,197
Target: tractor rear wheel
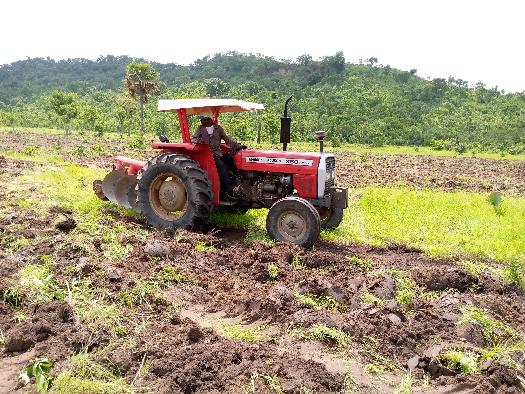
295,220
173,191
330,217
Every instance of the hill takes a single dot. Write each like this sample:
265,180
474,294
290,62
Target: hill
359,103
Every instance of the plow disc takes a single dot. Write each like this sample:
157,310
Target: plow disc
119,187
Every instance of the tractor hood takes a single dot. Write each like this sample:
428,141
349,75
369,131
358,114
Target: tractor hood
278,161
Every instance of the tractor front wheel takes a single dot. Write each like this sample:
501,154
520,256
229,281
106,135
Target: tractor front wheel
295,220
173,191
330,217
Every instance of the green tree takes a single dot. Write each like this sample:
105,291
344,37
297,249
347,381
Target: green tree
141,80
65,105
124,109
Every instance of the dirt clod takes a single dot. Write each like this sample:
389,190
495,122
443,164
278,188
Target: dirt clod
66,225
156,249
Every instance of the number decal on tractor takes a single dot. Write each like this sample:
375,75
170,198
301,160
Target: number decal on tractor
279,160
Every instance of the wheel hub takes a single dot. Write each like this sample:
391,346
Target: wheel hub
292,225
168,196
172,196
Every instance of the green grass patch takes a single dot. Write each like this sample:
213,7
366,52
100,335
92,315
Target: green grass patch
389,150
494,331
169,274
440,223
87,376
364,264
233,331
406,288
317,301
140,292
202,247
19,244
374,368
29,153
37,284
92,308
463,362
272,271
321,333
371,299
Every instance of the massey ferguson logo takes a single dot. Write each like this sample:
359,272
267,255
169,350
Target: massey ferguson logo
279,160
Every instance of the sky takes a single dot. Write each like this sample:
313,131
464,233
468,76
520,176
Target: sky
474,40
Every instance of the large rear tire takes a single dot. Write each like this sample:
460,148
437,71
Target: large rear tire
295,220
330,217
173,191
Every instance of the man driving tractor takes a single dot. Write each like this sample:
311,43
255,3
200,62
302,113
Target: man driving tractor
211,134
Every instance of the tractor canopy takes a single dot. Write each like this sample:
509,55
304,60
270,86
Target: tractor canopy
204,106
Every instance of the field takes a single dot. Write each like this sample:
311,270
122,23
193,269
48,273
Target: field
421,289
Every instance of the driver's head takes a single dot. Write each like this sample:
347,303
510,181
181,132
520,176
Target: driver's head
207,121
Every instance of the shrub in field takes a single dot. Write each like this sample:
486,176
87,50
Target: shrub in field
495,199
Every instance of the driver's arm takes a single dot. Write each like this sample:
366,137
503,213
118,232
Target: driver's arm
197,137
228,140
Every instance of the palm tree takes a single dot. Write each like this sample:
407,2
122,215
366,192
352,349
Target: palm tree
141,80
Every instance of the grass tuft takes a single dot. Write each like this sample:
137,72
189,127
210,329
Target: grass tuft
493,330
37,284
317,301
406,288
463,362
322,333
273,271
233,331
370,299
363,264
87,376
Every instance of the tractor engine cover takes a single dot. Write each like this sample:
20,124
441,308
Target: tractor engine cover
304,167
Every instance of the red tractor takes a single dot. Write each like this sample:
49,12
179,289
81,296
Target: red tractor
180,187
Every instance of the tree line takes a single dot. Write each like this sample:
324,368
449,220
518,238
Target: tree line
364,102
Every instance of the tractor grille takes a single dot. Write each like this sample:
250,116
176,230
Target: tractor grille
330,168
330,163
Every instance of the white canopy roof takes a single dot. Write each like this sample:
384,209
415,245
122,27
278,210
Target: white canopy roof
203,106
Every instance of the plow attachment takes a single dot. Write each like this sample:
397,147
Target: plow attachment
119,185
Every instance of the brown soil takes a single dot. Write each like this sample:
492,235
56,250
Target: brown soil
354,170
445,173
187,351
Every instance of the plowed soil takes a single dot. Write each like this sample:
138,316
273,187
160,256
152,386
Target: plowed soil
354,169
180,330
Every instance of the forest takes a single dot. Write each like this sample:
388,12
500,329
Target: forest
360,103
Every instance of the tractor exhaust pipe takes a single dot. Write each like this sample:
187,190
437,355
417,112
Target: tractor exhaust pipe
286,123
320,137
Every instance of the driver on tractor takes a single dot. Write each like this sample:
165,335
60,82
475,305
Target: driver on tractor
211,134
